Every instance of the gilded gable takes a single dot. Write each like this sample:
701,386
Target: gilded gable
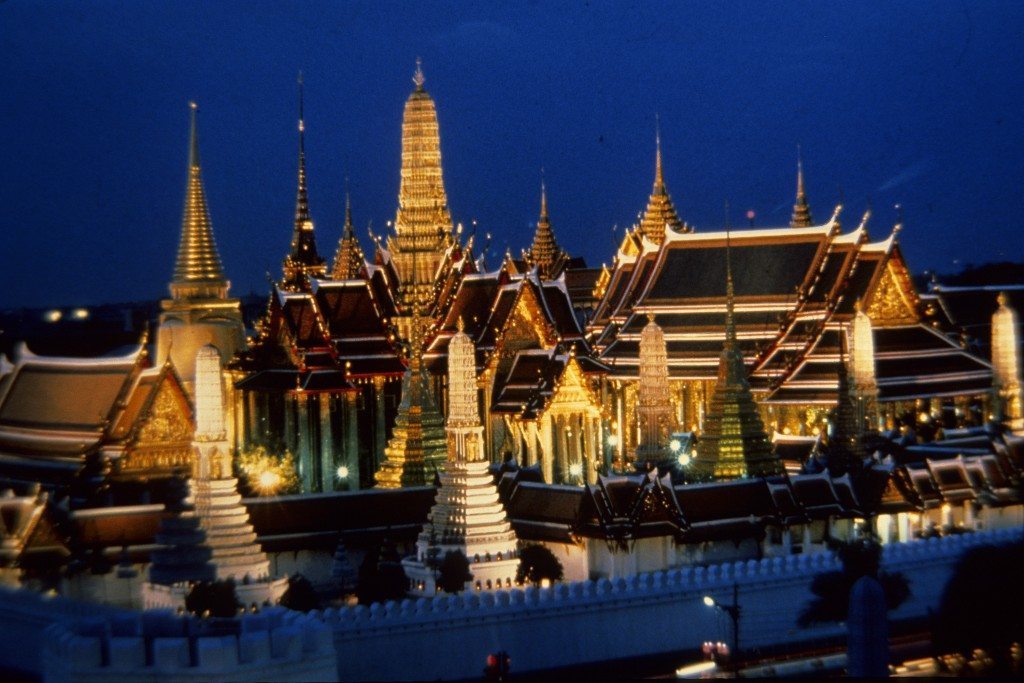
894,301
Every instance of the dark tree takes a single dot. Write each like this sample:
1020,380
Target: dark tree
453,572
983,605
536,563
381,577
300,595
859,558
216,597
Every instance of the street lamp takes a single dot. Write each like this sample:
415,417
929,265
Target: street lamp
733,611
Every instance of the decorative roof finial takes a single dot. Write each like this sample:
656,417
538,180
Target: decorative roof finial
1002,299
193,137
659,178
543,197
801,211
418,78
730,323
302,193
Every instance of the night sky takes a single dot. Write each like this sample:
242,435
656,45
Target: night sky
912,102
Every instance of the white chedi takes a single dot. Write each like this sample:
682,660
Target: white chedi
211,522
467,515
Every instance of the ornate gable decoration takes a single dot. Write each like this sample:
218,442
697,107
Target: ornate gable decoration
572,393
527,327
894,301
167,421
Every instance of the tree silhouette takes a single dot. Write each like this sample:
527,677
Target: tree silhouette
453,572
381,577
214,597
300,595
536,563
983,605
860,558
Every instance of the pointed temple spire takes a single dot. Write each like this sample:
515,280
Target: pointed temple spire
303,261
423,223
660,215
417,450
349,259
733,444
545,253
467,516
198,273
801,211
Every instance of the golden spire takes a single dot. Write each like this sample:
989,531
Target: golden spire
660,215
801,211
659,178
418,447
733,443
198,273
545,253
423,224
303,261
349,259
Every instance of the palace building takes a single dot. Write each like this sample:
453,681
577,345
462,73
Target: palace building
711,353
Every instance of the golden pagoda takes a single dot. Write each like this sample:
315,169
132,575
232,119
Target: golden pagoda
660,215
418,447
199,311
544,253
733,443
349,259
423,225
801,209
303,261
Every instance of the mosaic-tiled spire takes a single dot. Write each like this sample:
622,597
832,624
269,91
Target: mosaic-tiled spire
303,261
1006,364
423,224
801,211
417,449
660,215
198,273
654,398
733,443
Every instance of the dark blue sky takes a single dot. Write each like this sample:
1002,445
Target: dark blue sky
911,102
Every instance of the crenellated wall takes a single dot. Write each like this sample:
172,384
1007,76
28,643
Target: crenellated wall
55,639
592,621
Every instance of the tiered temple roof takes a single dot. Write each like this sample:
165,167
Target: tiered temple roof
68,421
795,289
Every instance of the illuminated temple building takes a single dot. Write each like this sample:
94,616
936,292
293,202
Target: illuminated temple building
710,395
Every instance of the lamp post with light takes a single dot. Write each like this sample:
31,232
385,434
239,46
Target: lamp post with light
733,610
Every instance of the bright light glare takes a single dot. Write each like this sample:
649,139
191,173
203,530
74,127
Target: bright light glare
342,472
576,469
80,313
613,440
683,459
709,601
675,445
52,316
269,480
